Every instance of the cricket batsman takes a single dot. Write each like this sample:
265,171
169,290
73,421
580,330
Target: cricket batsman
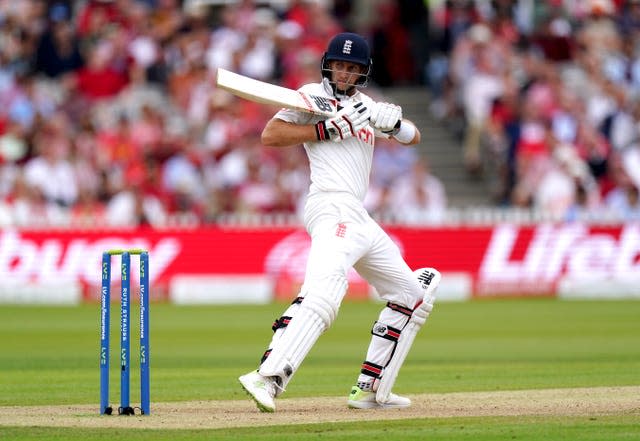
343,235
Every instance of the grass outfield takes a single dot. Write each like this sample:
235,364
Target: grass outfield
49,357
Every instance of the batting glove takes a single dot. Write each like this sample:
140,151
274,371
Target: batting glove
347,122
386,117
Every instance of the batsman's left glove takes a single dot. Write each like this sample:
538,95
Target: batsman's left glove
347,122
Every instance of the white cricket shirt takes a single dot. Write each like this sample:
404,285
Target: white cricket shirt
342,166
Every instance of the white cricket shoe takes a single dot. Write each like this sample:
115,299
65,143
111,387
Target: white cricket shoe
360,399
262,389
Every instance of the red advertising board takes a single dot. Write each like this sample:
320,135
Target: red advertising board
498,260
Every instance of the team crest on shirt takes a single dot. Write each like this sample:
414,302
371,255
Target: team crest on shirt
341,230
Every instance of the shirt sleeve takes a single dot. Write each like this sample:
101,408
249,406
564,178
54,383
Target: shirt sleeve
297,117
293,116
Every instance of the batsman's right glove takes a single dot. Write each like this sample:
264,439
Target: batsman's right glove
386,117
347,122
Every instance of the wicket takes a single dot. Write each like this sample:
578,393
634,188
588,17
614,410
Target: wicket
125,331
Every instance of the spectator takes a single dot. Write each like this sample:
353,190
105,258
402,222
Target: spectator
390,45
390,161
13,146
95,16
316,20
58,50
454,19
257,193
28,206
532,153
418,197
49,172
292,180
415,16
565,179
598,32
501,134
256,58
89,210
181,181
629,20
479,91
623,200
166,19
553,37
147,131
98,79
117,143
593,148
134,204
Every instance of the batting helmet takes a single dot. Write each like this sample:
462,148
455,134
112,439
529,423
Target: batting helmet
349,47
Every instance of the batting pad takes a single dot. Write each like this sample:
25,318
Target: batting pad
315,315
429,279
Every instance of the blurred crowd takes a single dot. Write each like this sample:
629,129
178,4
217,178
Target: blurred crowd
109,113
546,100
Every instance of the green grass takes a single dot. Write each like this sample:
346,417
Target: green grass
608,428
49,355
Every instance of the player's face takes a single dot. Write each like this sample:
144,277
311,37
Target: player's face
345,73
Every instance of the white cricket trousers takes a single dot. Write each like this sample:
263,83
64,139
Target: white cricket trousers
343,235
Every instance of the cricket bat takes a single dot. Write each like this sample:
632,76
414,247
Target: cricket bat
267,93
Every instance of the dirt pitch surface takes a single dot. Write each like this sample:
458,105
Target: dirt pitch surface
242,413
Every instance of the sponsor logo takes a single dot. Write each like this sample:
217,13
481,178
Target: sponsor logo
535,260
104,322
143,310
380,329
425,279
366,135
124,321
57,260
322,103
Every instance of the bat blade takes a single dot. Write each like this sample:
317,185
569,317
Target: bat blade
267,93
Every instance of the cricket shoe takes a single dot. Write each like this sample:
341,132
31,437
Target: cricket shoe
360,399
262,389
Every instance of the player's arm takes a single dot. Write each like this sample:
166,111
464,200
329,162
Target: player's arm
347,122
279,133
387,119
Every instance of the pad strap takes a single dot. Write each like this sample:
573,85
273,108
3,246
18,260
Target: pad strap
280,323
385,331
265,355
371,369
399,308
283,321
